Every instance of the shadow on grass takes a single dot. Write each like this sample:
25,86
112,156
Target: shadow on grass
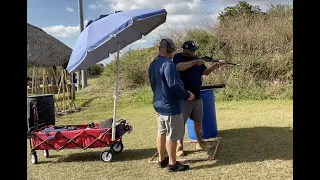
54,156
45,162
82,107
237,146
252,145
87,102
125,155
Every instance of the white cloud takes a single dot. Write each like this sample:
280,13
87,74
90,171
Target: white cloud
69,9
64,31
92,6
141,41
182,14
97,4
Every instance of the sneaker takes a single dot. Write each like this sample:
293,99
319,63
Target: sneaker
178,167
164,163
204,146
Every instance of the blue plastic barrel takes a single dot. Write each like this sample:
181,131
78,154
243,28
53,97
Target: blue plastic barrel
209,123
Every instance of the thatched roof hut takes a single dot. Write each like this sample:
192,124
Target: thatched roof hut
44,50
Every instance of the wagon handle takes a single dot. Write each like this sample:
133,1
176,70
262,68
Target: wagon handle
35,112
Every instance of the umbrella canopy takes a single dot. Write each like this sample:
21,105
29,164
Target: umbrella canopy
110,34
102,37
44,50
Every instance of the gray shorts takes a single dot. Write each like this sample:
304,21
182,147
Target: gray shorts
172,126
192,109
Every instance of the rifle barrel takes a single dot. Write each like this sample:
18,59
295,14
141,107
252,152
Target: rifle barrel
213,86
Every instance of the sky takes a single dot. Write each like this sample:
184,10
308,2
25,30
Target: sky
60,18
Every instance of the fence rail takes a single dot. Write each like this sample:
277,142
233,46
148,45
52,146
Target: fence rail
54,89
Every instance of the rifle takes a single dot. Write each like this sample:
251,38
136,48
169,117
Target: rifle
213,86
208,59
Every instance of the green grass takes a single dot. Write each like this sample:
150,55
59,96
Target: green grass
256,142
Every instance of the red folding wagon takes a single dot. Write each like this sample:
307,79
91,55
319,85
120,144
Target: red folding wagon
52,137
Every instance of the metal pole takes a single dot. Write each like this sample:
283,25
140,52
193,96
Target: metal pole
113,136
78,80
83,72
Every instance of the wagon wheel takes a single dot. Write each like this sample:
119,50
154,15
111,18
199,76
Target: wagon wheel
117,148
33,157
46,153
107,156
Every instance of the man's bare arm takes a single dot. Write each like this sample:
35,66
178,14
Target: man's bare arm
182,66
209,70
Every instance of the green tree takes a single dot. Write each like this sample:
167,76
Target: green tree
95,69
242,9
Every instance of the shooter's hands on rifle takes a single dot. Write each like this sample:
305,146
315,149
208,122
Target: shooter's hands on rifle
223,62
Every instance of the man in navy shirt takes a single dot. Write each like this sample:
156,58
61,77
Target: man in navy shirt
168,91
191,70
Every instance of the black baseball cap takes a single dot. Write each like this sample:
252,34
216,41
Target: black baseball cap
190,45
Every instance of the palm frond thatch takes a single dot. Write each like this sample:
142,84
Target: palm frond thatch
44,50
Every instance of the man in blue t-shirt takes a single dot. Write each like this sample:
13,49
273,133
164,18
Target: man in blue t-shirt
168,91
191,70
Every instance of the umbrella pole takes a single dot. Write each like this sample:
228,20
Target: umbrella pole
115,97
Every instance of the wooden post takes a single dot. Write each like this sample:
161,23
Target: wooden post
54,83
65,79
63,90
54,80
33,80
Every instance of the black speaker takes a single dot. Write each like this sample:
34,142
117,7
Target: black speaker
45,107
